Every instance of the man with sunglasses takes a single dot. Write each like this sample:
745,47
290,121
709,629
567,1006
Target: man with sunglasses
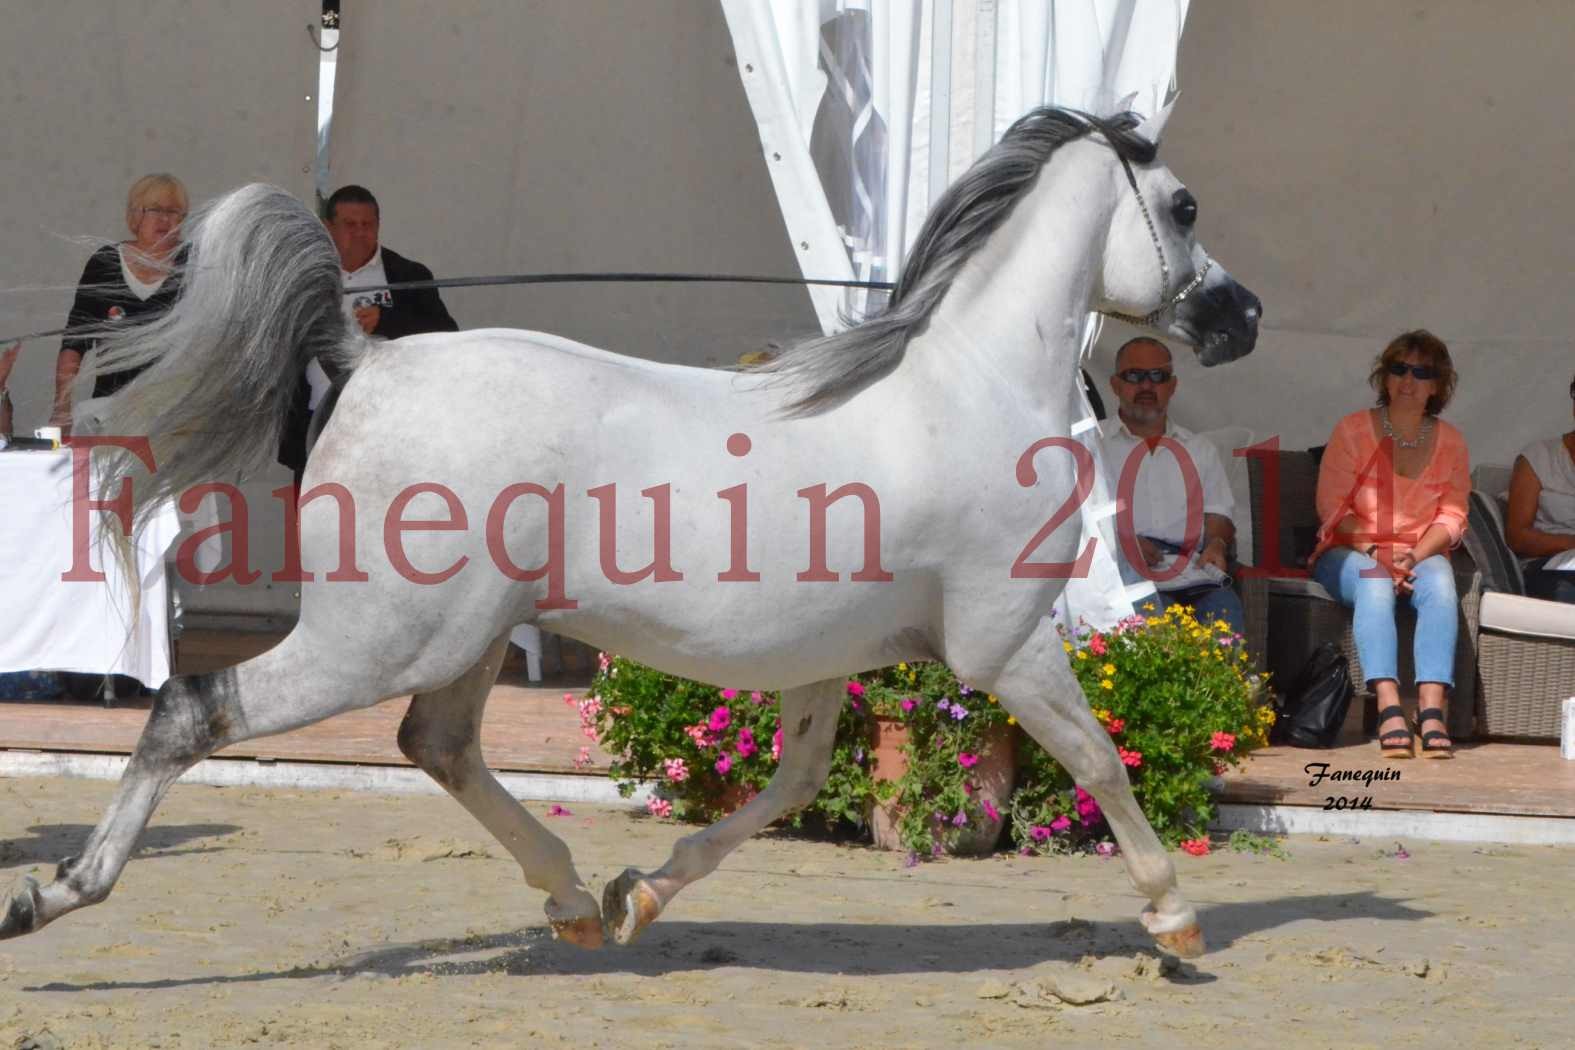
1182,545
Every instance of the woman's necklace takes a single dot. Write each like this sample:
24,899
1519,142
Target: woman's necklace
1421,434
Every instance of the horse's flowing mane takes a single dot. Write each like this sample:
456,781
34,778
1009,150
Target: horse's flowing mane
825,371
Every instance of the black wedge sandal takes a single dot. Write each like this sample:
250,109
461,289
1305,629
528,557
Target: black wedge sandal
1397,743
1430,747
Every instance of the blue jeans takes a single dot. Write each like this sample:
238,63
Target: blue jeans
1373,597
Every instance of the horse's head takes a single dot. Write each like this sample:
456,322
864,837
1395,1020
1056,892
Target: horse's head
1156,274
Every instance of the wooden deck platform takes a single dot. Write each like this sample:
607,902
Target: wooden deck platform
530,729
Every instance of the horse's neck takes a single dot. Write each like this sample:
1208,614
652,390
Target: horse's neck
1020,303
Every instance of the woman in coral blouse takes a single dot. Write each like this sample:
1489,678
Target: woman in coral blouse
1392,497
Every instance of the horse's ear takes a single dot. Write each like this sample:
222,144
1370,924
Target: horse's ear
1153,125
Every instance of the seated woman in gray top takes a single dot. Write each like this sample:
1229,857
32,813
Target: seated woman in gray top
1540,523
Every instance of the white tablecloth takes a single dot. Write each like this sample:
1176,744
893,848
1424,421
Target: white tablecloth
47,623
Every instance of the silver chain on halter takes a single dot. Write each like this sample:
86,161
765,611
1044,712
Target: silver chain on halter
1148,319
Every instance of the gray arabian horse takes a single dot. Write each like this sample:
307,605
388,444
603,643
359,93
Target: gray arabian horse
945,416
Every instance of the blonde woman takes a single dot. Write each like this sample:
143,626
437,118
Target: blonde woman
125,281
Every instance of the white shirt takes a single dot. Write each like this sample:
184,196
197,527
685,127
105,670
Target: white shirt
1158,495
370,275
1556,473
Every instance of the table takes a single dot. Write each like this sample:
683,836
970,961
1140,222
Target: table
47,623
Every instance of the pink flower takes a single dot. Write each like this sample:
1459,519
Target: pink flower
1096,645
1226,640
697,733
1130,758
776,745
908,705
966,760
1106,849
1039,833
603,661
746,743
724,764
758,697
1087,808
1196,847
960,819
1060,824
855,689
659,807
1115,725
1222,741
559,811
989,809
676,770
730,694
721,718
583,758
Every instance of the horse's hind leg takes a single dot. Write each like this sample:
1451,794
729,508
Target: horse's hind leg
1038,687
441,734
193,716
632,902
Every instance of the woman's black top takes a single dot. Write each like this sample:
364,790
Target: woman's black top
104,298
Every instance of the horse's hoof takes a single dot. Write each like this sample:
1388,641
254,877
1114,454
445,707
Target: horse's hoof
629,905
1185,943
21,916
584,932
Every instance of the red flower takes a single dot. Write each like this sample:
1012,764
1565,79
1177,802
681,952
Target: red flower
1222,741
1096,645
1115,725
1196,847
855,689
1130,758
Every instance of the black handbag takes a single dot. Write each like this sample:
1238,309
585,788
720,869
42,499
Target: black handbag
1315,703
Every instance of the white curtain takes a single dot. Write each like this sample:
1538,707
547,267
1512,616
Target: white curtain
867,110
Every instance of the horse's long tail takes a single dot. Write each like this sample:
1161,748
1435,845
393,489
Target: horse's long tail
261,295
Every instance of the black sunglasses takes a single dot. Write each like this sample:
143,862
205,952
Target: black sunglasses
1420,372
1153,375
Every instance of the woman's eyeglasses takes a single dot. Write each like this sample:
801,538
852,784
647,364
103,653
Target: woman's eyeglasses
167,213
1421,373
1153,375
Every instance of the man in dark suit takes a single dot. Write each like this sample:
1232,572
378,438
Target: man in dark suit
352,216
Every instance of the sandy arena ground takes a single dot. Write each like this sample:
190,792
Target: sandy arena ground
360,921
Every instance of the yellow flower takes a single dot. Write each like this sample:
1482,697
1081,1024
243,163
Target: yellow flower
1242,655
1067,646
993,700
1110,669
902,666
1149,606
1082,655
1011,720
1107,684
913,676
1222,627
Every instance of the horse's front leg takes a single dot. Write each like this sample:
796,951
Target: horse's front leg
1038,687
632,902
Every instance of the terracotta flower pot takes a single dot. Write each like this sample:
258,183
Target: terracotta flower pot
994,777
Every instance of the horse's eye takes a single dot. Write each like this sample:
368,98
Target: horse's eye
1183,208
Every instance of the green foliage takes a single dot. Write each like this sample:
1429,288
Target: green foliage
709,749
1244,841
951,730
1181,705
1176,697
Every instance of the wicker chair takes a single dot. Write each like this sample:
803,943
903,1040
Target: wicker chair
1301,615
1525,646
